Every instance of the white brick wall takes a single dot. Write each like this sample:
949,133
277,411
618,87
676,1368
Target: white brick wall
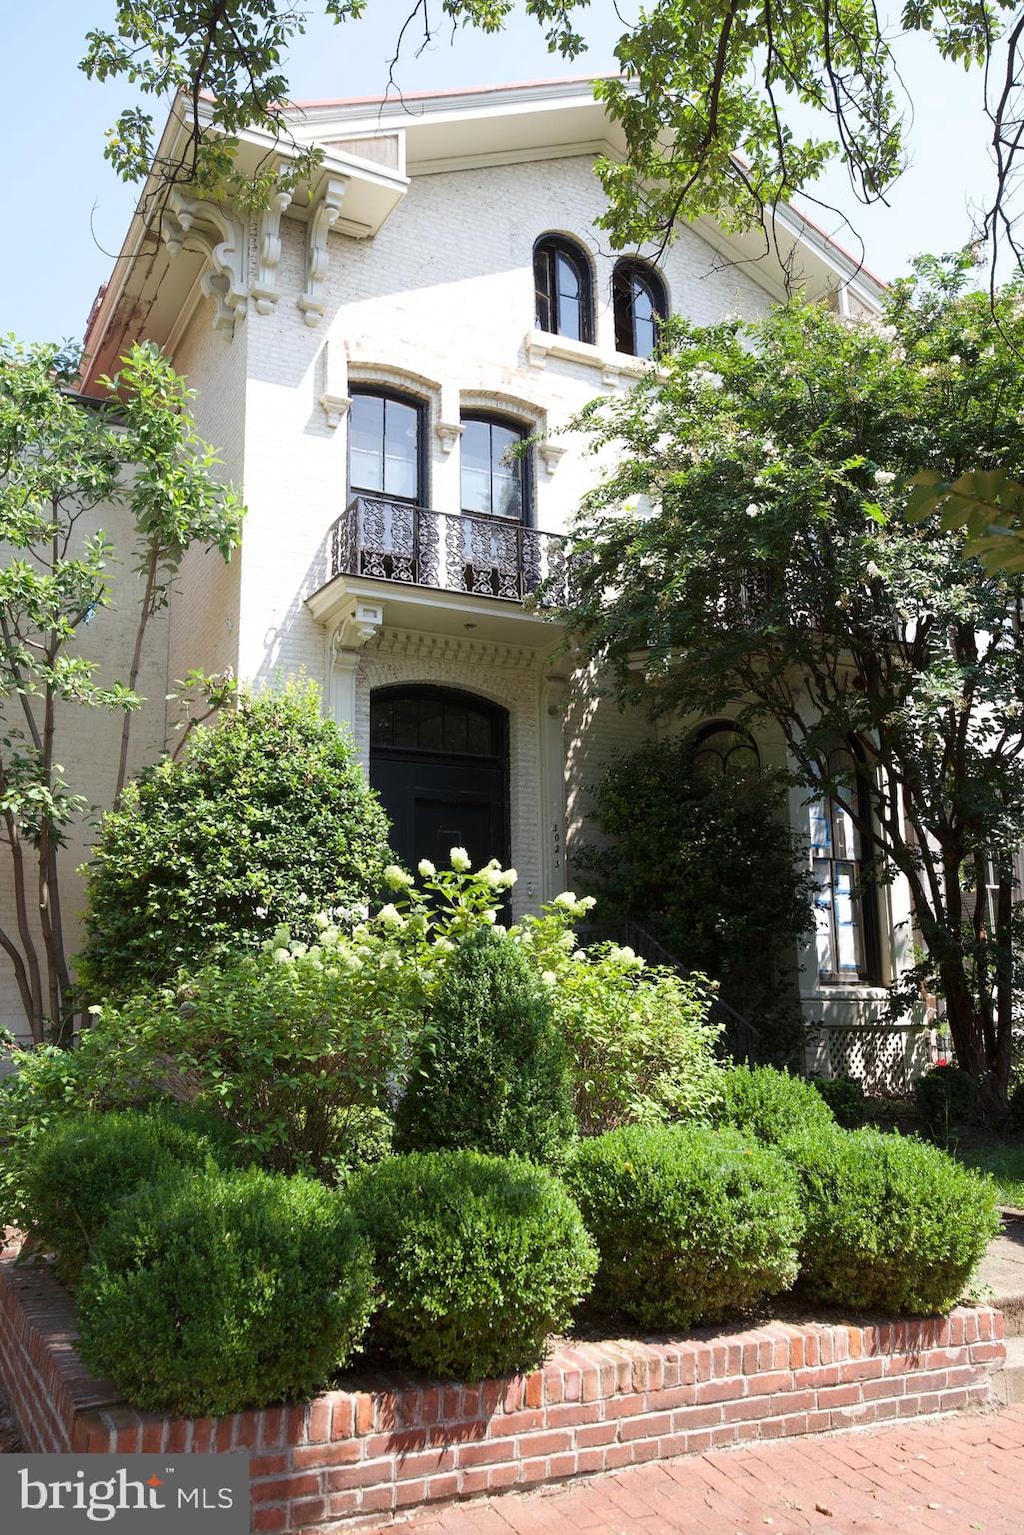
440,303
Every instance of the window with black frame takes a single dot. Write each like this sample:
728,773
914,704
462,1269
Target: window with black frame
724,750
494,480
564,297
640,303
845,906
385,446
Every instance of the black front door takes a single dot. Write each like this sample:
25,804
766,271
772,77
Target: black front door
439,761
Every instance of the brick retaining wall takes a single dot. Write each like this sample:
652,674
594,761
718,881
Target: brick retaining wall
592,1407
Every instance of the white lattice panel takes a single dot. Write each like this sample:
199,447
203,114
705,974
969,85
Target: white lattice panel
884,1060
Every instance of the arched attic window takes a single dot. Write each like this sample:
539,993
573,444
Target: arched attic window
564,292
640,303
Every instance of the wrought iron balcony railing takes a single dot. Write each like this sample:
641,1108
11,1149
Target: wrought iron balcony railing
487,556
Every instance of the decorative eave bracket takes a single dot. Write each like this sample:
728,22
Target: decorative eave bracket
218,235
268,251
322,217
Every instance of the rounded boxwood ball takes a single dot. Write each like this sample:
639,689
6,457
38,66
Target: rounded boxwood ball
478,1259
892,1224
228,1290
691,1223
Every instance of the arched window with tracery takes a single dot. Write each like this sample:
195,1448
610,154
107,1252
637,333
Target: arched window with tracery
725,750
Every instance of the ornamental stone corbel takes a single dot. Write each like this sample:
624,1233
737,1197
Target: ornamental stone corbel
268,251
206,227
322,218
357,626
551,453
448,434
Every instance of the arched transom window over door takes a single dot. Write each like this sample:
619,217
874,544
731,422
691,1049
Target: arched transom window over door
439,761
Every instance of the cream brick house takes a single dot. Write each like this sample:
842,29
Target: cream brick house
363,357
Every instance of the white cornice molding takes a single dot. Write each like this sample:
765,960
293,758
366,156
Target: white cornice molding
324,215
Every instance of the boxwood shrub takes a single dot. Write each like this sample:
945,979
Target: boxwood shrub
478,1259
892,1224
208,1294
83,1167
691,1223
491,1072
770,1104
845,1097
945,1098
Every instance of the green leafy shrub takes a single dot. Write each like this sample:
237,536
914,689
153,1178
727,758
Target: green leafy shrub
205,1295
892,1224
490,1072
86,1165
692,853
267,819
945,1098
641,1047
292,1047
845,1098
691,1223
478,1259
770,1104
47,1086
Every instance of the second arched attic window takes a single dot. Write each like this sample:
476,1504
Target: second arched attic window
640,303
564,293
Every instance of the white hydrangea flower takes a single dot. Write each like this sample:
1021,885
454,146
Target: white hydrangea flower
884,477
322,920
282,956
754,509
567,900
396,878
390,916
426,868
460,860
490,915
549,978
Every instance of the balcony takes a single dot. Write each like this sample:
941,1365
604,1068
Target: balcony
480,556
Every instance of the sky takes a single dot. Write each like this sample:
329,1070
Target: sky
67,212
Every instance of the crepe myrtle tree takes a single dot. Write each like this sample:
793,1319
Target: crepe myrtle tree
750,549
66,464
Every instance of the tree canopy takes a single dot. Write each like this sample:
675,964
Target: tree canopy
749,553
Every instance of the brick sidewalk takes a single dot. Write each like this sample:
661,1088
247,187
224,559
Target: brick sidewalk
942,1477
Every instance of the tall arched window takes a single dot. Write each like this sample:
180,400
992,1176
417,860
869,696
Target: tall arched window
640,303
725,750
845,907
561,274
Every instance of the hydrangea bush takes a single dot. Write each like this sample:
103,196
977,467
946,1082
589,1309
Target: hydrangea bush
296,1042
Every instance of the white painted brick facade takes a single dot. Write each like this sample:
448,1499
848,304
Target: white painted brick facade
439,303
